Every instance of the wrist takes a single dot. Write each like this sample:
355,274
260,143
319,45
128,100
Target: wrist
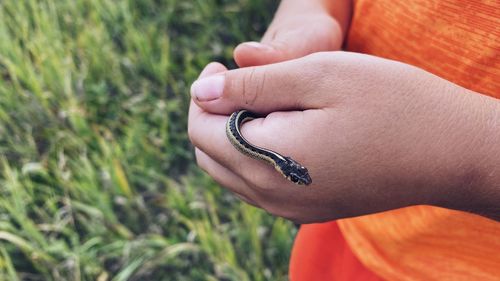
487,197
475,164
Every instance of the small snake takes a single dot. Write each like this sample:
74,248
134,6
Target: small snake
286,166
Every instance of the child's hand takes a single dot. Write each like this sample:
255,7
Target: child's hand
374,134
299,28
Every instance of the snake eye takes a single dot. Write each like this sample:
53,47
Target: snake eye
294,178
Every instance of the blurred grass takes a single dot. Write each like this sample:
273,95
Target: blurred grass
97,179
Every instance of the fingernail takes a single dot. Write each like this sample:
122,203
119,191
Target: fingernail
209,88
258,45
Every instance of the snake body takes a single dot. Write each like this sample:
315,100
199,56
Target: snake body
286,166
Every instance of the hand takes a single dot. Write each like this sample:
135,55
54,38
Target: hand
299,28
374,134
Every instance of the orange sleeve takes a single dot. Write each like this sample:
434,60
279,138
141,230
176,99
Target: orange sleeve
321,253
458,40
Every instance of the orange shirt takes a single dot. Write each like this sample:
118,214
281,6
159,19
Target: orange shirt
457,40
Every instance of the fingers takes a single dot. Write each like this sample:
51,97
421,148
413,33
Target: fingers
219,173
225,177
212,68
276,132
283,86
291,39
255,53
207,132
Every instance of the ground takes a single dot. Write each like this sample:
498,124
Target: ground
97,176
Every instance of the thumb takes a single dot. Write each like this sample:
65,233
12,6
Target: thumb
255,53
293,39
263,89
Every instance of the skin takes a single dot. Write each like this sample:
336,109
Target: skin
299,28
375,134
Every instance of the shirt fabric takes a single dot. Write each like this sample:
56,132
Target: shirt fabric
459,41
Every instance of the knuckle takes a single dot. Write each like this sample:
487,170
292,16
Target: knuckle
252,84
248,199
194,134
200,164
280,211
275,206
259,180
199,160
191,134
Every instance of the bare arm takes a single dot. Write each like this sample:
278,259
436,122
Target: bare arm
482,189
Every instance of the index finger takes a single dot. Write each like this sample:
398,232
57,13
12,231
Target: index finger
275,132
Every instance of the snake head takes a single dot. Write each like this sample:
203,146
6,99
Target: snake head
296,173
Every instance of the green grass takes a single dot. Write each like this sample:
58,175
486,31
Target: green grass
97,176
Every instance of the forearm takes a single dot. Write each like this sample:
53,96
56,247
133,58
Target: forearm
340,10
476,157
488,195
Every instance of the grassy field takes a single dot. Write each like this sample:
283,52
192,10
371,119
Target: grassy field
97,177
